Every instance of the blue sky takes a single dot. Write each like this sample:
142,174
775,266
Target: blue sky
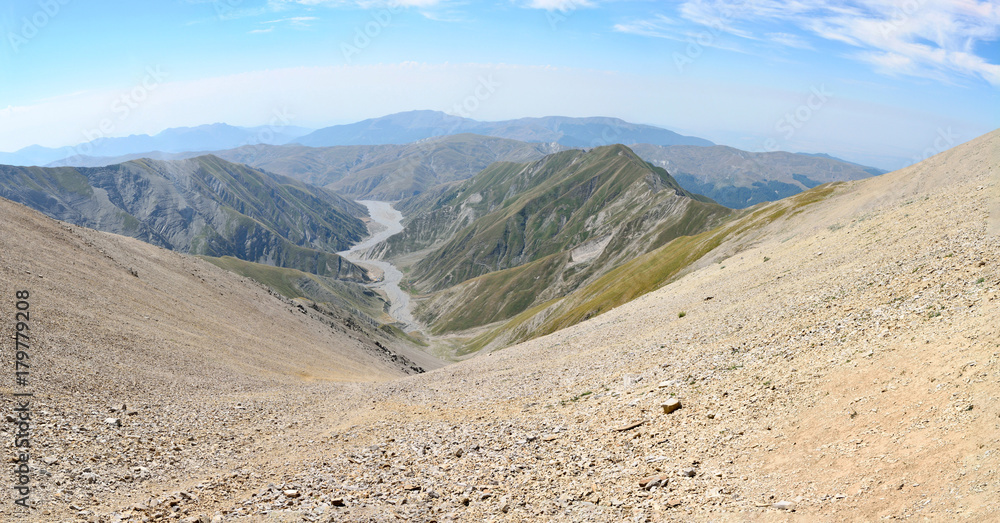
881,82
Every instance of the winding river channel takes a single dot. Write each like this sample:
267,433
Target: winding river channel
383,214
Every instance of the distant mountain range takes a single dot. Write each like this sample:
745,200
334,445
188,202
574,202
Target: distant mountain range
395,129
412,126
740,179
732,177
175,140
204,206
380,172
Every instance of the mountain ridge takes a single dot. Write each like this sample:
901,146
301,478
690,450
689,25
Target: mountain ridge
172,140
740,179
204,206
516,235
411,126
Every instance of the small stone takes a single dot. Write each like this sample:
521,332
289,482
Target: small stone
89,477
50,460
217,519
690,473
459,452
657,480
710,415
338,502
114,422
664,384
291,493
671,405
784,505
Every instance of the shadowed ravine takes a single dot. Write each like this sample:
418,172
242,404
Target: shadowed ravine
383,214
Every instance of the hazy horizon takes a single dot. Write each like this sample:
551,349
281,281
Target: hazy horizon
874,82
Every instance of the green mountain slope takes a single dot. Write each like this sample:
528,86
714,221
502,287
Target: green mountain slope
516,235
203,205
642,274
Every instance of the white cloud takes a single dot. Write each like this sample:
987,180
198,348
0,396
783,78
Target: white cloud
927,38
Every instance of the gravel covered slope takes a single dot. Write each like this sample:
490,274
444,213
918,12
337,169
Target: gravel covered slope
843,363
200,357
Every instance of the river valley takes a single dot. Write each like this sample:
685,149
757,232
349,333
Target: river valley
391,222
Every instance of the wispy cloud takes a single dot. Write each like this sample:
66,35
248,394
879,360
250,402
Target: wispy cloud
926,38
259,31
293,20
659,26
789,40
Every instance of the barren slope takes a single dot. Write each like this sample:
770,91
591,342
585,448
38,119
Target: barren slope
188,347
854,372
848,361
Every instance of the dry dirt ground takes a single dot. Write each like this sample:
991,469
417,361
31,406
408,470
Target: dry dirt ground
841,364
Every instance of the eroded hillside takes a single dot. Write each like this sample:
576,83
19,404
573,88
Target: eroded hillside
203,205
518,235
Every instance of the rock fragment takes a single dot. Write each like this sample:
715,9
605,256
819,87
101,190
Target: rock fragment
670,405
657,480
